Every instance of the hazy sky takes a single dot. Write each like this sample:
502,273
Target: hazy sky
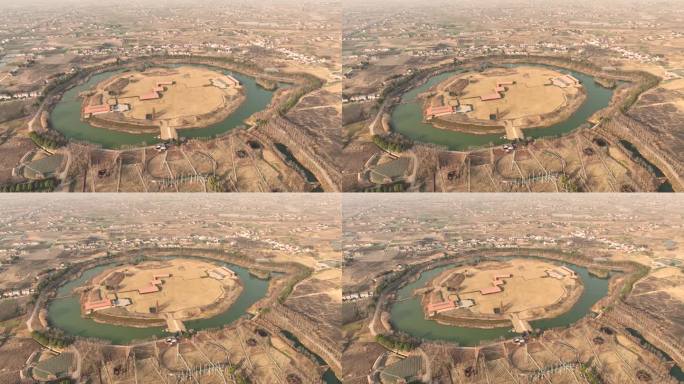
156,3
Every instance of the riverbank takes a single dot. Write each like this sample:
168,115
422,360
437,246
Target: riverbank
407,118
394,296
194,98
528,100
404,113
64,311
135,315
526,293
407,316
67,118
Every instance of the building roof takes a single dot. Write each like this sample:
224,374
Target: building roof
553,273
162,276
154,284
443,306
148,289
441,110
150,96
566,80
216,274
103,108
572,79
232,80
96,305
490,290
491,96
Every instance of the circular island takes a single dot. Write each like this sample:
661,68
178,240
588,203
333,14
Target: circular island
133,107
498,293
475,107
155,293
119,302
477,301
163,99
510,98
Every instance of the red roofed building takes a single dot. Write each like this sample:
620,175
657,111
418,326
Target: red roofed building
150,96
162,276
149,289
490,290
440,307
97,305
500,89
96,109
439,111
158,89
491,96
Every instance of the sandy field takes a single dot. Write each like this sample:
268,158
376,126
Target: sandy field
528,289
188,288
523,103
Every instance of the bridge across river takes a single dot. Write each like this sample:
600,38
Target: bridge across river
520,325
174,325
513,132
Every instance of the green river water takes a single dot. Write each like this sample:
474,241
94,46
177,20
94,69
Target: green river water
66,116
64,312
407,119
407,314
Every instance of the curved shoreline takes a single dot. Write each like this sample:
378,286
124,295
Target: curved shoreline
120,126
125,335
465,124
484,321
139,320
557,116
620,99
131,125
407,118
118,140
388,298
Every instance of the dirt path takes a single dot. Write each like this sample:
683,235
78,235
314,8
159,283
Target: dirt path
381,110
77,373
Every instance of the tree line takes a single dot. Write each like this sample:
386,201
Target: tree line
397,342
50,139
392,142
52,339
45,185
